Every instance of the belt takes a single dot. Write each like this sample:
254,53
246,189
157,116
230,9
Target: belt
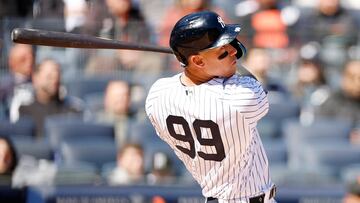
256,199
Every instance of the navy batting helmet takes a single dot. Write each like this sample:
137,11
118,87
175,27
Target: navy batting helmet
200,31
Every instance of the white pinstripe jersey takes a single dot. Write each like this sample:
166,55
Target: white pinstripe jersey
212,129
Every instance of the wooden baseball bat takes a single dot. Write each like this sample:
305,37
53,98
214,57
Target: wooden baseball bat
71,40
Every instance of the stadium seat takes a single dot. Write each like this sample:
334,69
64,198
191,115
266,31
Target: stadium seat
95,151
107,168
280,109
142,131
39,149
61,127
283,175
276,151
94,102
350,172
87,85
325,131
76,174
321,128
335,156
268,128
151,148
24,127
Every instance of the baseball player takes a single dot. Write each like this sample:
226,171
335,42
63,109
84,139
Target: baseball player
208,113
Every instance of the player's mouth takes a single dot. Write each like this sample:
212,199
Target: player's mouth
234,62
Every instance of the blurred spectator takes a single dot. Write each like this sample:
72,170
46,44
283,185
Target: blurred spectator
48,8
331,25
129,167
102,65
310,87
154,11
31,171
8,160
20,171
48,99
75,14
117,98
345,103
48,15
128,25
264,21
162,171
119,19
15,87
269,25
126,64
258,62
116,111
329,19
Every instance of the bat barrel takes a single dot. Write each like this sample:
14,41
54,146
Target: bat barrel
71,40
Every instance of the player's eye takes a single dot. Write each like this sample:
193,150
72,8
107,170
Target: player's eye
223,55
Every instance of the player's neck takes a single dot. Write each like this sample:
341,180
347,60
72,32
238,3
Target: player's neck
190,78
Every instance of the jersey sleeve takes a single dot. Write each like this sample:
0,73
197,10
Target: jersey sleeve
248,97
152,103
149,105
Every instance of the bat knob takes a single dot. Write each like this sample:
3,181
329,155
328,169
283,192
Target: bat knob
15,34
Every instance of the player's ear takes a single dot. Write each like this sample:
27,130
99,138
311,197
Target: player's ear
197,60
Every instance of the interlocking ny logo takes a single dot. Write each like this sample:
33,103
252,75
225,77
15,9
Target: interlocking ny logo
221,21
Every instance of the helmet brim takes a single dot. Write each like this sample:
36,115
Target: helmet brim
230,33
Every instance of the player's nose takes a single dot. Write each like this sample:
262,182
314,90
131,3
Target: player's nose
232,51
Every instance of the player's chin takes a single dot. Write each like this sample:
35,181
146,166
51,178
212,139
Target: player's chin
230,71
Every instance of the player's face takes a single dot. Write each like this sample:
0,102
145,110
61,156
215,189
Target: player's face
220,61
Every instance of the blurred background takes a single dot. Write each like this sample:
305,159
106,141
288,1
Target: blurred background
72,121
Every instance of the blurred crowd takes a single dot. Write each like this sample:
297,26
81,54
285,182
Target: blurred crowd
305,53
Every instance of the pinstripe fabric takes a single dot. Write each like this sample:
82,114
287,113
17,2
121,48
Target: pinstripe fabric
233,107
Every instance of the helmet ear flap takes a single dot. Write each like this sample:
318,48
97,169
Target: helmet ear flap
240,48
181,58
